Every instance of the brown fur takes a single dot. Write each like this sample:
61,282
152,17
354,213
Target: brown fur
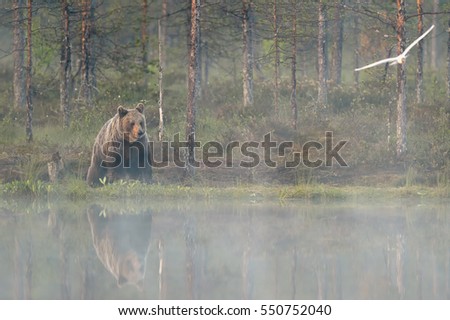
121,148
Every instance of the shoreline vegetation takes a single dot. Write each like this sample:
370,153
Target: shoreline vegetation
199,188
373,170
76,190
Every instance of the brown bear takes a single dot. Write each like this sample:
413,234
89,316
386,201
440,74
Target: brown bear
121,149
121,242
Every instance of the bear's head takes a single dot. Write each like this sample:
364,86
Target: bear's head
132,122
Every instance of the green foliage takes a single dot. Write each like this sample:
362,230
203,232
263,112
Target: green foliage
410,177
10,132
315,192
443,178
31,183
86,124
76,189
28,187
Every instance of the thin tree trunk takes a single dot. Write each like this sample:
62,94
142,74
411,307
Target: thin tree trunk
65,67
92,55
207,62
338,41
144,41
401,82
188,35
357,45
193,83
162,33
29,123
247,39
199,62
321,48
386,66
18,55
277,57
85,89
294,109
434,36
390,106
160,78
419,75
448,63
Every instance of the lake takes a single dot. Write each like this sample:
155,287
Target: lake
217,249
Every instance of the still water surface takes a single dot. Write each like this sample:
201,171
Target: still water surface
224,250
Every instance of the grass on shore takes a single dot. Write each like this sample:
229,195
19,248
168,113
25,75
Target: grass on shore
77,189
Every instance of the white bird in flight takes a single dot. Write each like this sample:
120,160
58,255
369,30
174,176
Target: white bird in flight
399,59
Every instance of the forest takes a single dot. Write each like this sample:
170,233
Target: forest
213,73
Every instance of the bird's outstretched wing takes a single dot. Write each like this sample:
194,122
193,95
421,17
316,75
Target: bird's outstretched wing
417,40
394,60
377,63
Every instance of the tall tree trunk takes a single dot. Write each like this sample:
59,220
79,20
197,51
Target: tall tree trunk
85,89
401,82
207,62
386,66
434,36
247,37
162,64
294,109
448,63
160,79
188,35
322,64
277,57
337,44
193,83
65,66
92,54
419,75
357,44
18,55
144,41
390,109
29,123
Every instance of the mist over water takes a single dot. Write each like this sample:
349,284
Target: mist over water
216,249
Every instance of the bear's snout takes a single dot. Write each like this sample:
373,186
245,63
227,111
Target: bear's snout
137,132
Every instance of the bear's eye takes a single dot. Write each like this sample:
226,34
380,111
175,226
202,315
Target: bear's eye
132,123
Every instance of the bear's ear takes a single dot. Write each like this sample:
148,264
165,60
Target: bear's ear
122,111
140,107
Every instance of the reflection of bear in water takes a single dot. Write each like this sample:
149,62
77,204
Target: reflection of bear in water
121,243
